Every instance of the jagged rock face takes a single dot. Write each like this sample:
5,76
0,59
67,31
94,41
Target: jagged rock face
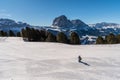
78,23
62,21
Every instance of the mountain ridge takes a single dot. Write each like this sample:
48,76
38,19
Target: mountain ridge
62,23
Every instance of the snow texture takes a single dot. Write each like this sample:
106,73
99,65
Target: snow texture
21,60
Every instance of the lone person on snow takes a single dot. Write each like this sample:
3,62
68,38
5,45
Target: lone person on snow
79,58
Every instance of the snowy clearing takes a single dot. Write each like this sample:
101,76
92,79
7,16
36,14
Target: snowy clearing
21,60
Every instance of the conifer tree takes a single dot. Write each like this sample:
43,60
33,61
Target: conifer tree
62,38
74,38
11,33
43,35
51,38
2,33
36,36
23,33
28,33
18,34
111,39
5,34
100,40
118,38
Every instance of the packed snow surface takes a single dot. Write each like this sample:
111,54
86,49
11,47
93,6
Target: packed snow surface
21,60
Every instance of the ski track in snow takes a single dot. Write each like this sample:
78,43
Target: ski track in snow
54,61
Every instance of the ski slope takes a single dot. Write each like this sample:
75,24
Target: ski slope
21,60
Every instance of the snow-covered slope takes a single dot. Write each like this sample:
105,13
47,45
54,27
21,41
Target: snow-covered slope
21,60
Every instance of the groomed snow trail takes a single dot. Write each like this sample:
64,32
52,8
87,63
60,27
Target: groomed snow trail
21,60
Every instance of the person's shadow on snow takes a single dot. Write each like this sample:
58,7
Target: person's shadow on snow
85,63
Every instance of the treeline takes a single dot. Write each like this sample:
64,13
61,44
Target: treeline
109,39
10,33
31,34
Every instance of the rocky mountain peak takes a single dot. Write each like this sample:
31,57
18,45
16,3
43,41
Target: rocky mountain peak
62,21
78,23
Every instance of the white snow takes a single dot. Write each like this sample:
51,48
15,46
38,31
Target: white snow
90,38
21,60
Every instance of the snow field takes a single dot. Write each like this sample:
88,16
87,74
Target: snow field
21,60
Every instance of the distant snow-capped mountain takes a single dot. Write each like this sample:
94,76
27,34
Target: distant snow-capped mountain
63,24
106,28
8,24
105,25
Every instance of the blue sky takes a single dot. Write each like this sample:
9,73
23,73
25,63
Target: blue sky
42,12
